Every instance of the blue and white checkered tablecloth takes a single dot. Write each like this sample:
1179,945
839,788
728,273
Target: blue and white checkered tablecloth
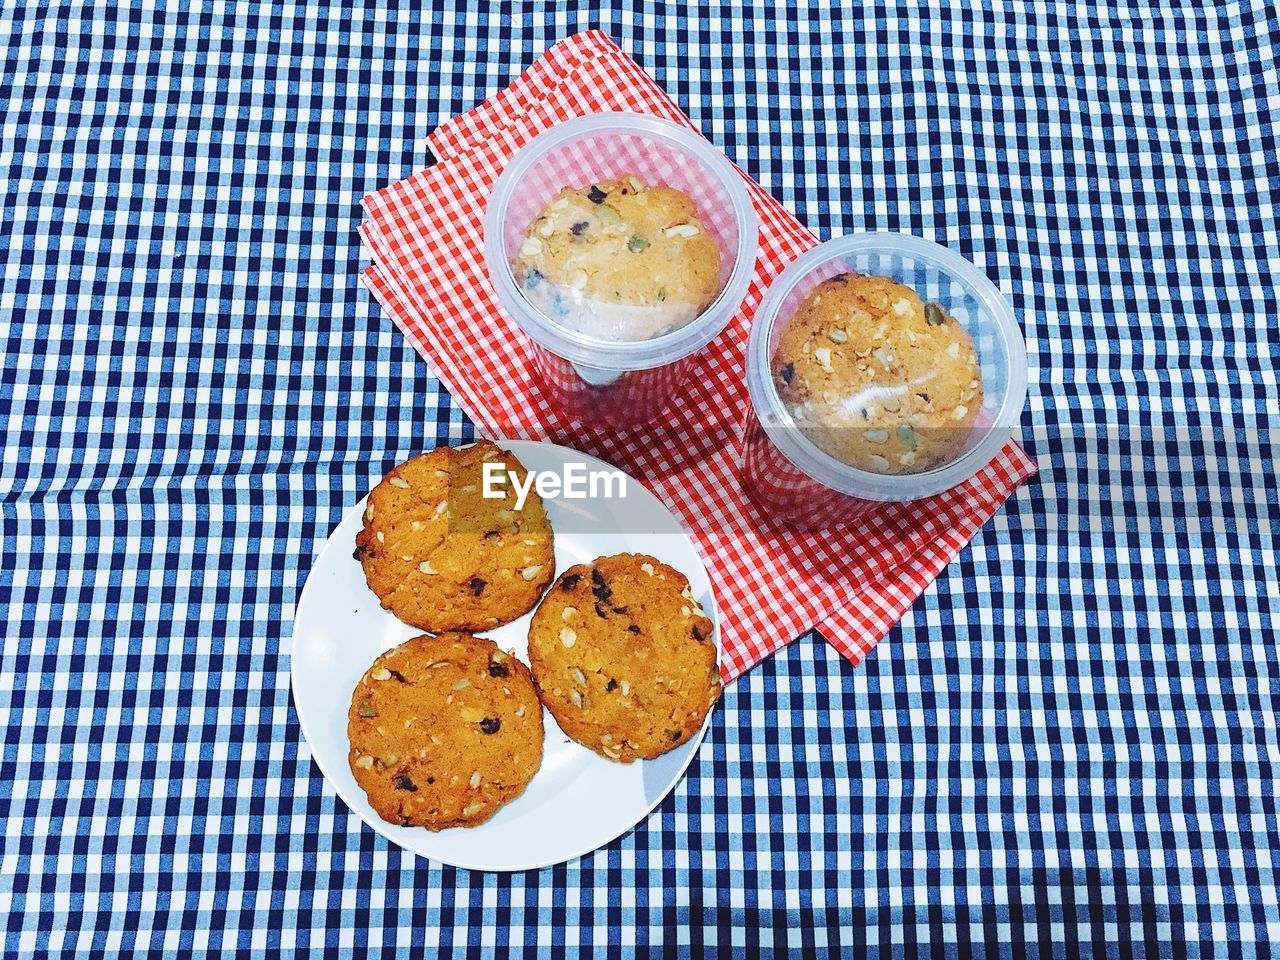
1069,747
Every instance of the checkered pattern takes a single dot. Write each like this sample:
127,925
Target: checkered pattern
1067,748
852,583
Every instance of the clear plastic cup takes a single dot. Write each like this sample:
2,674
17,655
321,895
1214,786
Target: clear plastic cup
796,482
614,378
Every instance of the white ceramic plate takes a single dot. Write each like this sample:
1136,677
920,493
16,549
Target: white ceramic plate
578,801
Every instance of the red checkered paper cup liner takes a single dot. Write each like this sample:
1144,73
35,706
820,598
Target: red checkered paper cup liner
851,583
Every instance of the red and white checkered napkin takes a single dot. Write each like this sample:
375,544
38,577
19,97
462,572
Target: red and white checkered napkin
851,584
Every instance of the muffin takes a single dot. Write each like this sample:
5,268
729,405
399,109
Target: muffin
624,657
876,377
619,260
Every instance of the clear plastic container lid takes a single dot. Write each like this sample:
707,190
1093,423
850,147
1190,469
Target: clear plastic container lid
607,312
971,411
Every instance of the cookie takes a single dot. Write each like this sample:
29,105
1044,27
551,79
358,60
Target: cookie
442,556
878,378
444,730
619,260
624,657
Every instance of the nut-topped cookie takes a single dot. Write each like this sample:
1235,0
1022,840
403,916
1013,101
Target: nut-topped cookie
878,378
444,731
620,260
624,657
442,556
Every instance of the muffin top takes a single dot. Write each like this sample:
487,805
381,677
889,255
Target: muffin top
876,377
619,260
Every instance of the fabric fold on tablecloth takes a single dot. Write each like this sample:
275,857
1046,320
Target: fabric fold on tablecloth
852,584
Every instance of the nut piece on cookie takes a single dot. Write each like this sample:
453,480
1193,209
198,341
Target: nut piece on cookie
624,657
442,556
444,731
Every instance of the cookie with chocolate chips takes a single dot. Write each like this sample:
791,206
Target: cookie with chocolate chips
444,731
442,556
624,657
